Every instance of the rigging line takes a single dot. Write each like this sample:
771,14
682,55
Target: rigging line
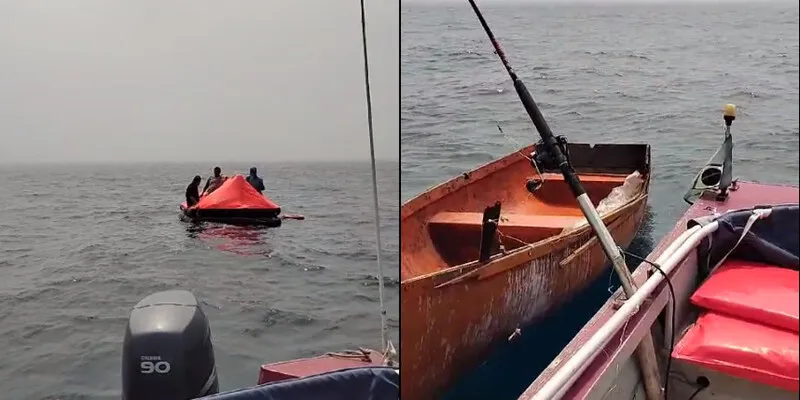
374,174
529,158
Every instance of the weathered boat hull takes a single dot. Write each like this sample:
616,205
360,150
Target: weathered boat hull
453,317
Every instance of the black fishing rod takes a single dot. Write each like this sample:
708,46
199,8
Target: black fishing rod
552,144
555,149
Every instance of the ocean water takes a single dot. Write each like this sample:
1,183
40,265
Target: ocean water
657,74
81,244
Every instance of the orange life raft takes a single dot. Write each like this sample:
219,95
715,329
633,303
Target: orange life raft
234,202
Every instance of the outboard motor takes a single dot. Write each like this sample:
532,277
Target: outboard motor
167,354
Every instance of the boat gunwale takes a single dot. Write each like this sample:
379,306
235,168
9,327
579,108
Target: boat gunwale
437,192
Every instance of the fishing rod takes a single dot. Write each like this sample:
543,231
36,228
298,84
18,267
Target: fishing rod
378,245
555,149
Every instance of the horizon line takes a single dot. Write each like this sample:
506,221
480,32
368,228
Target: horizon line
602,2
215,163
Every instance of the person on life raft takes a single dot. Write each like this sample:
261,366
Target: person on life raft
214,182
255,181
193,191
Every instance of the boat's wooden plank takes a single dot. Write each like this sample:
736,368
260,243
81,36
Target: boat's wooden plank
456,233
506,220
588,178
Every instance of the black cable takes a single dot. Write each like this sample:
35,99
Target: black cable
635,387
672,333
696,392
702,383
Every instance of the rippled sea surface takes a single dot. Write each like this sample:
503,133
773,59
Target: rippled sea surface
80,245
656,74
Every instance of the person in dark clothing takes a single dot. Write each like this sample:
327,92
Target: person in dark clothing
256,182
214,182
193,191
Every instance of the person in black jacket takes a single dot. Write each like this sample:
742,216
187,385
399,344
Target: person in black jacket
193,191
256,182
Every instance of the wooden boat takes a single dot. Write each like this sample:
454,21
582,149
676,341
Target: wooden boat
726,320
454,305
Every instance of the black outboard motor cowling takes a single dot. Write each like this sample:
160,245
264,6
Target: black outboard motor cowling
167,354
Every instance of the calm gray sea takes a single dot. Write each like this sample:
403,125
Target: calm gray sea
80,245
657,74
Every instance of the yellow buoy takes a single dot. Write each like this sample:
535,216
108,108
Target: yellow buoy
729,110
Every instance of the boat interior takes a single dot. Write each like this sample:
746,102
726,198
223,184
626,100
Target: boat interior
738,332
734,322
447,225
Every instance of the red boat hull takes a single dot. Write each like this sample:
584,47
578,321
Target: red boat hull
329,362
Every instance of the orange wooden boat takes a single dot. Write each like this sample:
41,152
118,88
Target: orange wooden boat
467,285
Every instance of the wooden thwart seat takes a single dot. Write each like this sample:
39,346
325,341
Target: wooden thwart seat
526,227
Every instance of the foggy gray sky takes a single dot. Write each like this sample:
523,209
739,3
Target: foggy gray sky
195,80
593,2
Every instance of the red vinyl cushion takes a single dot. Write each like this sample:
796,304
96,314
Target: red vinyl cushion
754,292
743,349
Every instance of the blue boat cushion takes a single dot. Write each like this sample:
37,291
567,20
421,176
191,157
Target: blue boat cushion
372,383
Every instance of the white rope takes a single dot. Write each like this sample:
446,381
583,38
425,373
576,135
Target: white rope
519,146
374,174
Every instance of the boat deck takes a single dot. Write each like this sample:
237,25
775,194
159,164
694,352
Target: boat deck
306,367
613,371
